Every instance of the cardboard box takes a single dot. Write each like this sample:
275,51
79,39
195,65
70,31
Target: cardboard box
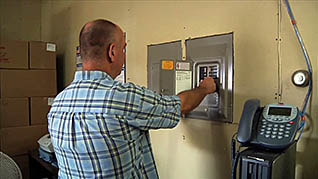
27,83
40,106
42,55
23,163
19,140
14,54
14,112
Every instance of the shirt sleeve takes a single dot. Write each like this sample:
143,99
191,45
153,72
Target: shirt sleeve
155,111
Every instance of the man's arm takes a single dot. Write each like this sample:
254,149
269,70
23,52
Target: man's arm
190,99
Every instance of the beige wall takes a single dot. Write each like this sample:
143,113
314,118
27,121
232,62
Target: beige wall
196,148
20,19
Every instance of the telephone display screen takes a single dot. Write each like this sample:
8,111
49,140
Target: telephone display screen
279,111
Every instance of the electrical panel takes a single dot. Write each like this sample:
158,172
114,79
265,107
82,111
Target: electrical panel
210,56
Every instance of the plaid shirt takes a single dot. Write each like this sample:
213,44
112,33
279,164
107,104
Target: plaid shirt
99,127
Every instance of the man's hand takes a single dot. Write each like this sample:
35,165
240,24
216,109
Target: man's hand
208,85
190,99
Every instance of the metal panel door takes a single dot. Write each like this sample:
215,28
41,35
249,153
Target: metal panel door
162,79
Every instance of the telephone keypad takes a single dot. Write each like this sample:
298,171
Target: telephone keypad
271,130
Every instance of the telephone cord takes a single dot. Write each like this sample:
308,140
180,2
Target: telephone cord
235,162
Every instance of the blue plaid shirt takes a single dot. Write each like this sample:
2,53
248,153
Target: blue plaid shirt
99,127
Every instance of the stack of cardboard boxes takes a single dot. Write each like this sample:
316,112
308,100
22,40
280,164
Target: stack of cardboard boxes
27,89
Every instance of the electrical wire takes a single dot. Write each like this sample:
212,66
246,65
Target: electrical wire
301,126
234,155
235,162
233,147
304,50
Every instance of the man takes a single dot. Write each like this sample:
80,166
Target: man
100,127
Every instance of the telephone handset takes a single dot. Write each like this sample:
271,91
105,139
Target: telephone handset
273,126
249,115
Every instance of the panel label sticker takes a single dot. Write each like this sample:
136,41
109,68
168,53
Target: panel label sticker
183,66
183,81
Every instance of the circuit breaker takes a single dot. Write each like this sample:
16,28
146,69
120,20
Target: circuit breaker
208,68
209,56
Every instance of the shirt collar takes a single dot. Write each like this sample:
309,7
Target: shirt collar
91,75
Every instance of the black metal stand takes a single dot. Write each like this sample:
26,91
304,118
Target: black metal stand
265,164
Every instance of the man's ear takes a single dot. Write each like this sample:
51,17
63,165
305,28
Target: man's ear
111,52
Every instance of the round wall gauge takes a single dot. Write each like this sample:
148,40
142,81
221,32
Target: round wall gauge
300,78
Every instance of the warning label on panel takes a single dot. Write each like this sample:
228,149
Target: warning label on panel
167,64
183,66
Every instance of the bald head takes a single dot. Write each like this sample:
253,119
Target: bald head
95,38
